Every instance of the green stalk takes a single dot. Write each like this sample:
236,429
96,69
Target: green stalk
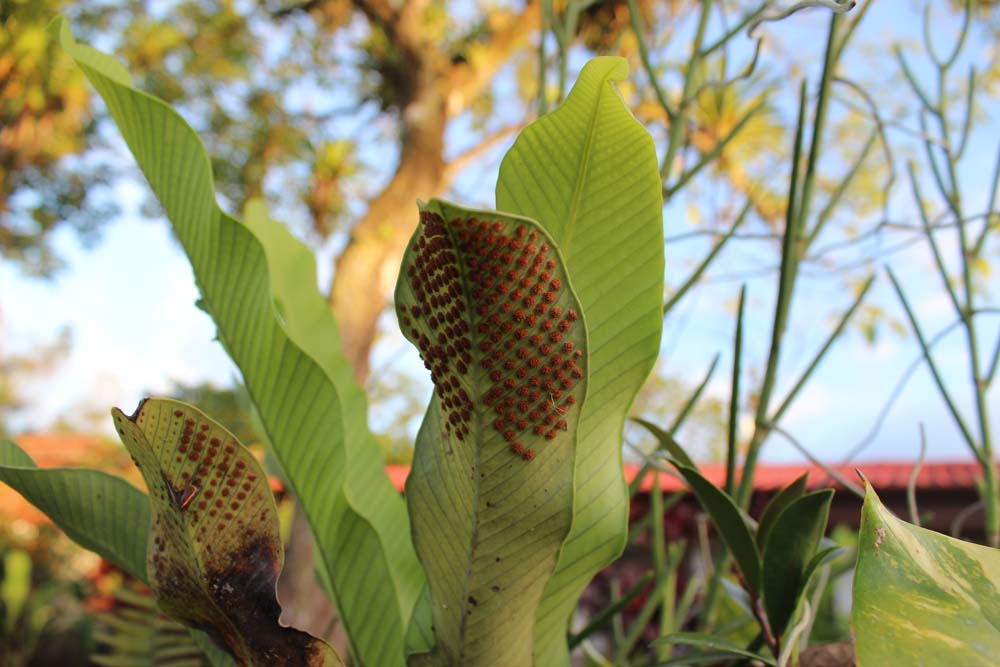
838,193
677,127
661,568
735,30
679,420
546,16
792,251
929,233
640,36
994,362
715,152
609,613
780,313
625,647
734,396
935,372
703,266
965,307
977,248
819,125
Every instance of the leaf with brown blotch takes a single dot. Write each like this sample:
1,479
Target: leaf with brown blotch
215,553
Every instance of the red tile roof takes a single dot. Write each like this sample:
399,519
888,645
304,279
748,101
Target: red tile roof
55,450
69,449
937,475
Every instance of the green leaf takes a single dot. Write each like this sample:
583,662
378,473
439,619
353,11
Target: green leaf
291,365
215,553
702,640
376,529
729,521
588,174
96,510
134,632
15,587
420,631
781,500
486,299
667,443
922,598
790,546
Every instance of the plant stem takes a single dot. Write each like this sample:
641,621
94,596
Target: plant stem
677,126
704,264
780,315
640,37
734,396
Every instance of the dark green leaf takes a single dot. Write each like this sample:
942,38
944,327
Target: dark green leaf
667,442
791,545
729,522
721,646
780,501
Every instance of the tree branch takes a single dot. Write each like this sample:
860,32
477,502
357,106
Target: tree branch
487,143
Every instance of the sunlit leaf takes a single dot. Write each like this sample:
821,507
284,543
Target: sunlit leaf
312,410
588,174
486,299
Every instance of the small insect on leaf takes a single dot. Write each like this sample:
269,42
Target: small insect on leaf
190,491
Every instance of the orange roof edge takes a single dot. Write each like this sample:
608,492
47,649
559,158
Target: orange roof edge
885,475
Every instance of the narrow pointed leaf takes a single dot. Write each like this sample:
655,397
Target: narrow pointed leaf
96,510
922,598
419,631
485,298
702,640
588,174
374,555
781,500
822,557
667,443
729,522
290,358
135,632
215,553
790,546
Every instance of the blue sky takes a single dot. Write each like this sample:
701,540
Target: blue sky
129,303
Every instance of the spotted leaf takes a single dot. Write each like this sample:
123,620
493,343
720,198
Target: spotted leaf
587,172
485,298
214,553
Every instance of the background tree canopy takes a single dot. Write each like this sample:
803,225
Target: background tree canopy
861,133
341,114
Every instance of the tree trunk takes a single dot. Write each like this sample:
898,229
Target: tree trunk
366,271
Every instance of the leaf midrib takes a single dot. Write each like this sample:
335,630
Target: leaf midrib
480,415
567,241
